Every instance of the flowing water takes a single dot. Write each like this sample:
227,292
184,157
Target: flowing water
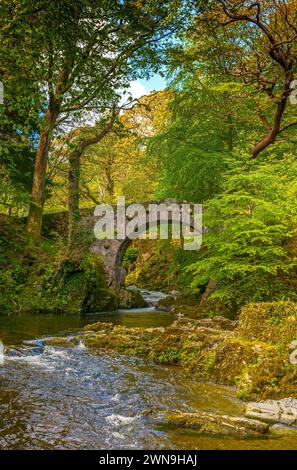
54,398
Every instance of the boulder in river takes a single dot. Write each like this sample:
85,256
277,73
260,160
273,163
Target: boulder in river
165,304
131,298
211,423
274,411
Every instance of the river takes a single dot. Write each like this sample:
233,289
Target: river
54,398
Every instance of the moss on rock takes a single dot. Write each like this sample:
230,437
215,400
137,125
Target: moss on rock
165,304
215,349
131,298
128,341
99,326
210,423
272,322
70,286
60,342
52,277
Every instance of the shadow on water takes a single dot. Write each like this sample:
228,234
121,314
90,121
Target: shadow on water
16,328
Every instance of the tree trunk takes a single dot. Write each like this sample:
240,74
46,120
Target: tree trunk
110,184
73,196
275,130
211,287
34,221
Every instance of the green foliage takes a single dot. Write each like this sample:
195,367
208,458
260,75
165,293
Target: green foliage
169,356
201,142
130,257
191,141
250,226
49,279
160,265
9,290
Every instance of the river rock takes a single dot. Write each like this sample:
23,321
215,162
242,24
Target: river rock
165,304
211,423
131,298
60,342
174,293
216,323
99,326
274,411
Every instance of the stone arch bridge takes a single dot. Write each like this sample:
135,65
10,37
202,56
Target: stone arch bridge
169,212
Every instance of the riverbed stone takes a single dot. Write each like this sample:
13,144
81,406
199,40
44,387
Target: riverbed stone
131,298
217,323
99,326
211,423
213,349
60,342
274,411
165,305
257,368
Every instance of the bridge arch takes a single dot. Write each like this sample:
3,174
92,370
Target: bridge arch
113,250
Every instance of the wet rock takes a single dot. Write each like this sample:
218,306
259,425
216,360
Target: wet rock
190,311
99,300
274,411
152,297
19,351
174,293
130,341
60,342
184,303
190,298
214,349
131,298
211,423
217,323
99,326
165,305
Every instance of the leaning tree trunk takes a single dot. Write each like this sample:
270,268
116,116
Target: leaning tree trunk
34,221
73,196
74,178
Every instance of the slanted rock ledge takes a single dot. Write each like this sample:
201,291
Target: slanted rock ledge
274,411
211,423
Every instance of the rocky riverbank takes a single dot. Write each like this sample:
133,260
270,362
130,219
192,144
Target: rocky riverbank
253,353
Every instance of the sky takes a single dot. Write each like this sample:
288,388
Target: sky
142,87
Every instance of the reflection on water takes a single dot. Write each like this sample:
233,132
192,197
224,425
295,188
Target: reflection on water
17,328
53,398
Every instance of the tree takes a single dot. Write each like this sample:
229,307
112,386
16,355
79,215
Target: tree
79,53
205,133
19,121
119,164
261,37
82,142
145,120
247,249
